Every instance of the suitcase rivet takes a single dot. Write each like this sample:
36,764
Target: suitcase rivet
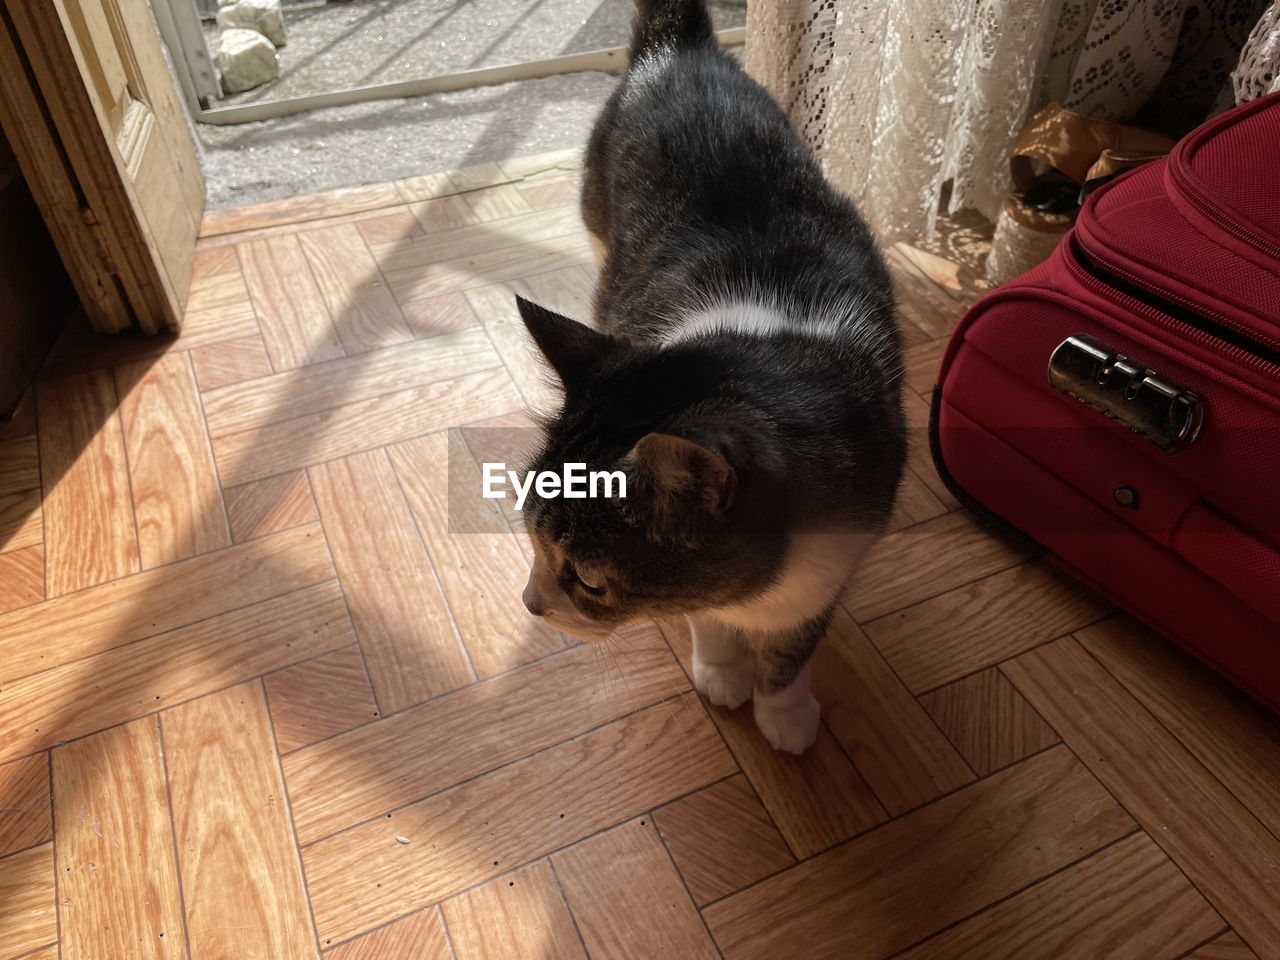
1126,496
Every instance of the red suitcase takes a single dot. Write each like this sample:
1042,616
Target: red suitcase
1119,405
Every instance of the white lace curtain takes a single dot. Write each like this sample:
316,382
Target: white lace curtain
903,97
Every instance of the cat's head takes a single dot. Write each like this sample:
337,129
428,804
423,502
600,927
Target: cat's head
692,530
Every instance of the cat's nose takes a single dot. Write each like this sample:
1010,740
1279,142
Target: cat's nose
533,601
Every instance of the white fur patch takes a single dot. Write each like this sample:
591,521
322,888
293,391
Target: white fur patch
723,670
789,718
758,313
817,568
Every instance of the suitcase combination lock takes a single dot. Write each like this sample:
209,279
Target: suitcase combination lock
1120,389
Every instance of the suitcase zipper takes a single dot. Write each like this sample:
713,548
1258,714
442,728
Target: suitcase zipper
1174,313
1204,206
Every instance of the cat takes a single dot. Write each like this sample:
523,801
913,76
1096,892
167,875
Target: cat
743,372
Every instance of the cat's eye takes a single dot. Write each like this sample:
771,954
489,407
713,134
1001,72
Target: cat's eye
590,580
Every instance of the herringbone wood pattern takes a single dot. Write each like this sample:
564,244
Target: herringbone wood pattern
267,691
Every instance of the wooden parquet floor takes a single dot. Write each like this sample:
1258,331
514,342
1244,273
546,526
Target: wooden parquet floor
267,690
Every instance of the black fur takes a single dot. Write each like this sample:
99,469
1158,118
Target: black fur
699,188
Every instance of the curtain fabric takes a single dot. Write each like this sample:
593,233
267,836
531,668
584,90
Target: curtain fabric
1259,70
902,99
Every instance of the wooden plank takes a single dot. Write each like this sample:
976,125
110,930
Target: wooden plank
439,315
295,324
136,679
988,720
553,163
357,427
482,828
222,364
81,349
29,918
157,600
1126,901
380,766
231,825
953,274
89,532
225,288
363,310
23,423
297,393
566,290
503,264
426,186
552,193
19,465
21,577
176,499
477,176
914,504
519,916
925,561
393,225
922,361
117,879
1229,946
1233,737
409,642
209,263
441,213
314,700
1162,785
921,301
268,232
21,522
972,627
269,506
721,839
25,813
272,213
919,458
873,896
890,738
202,328
419,936
818,799
628,898
480,566
497,203
477,238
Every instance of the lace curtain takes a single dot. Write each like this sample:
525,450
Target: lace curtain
902,99
1259,70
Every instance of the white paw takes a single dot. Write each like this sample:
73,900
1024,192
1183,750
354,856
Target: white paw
724,684
792,727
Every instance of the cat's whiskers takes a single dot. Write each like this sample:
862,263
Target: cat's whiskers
631,667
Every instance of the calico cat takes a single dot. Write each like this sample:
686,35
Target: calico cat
743,372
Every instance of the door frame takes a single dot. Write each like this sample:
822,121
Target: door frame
56,186
100,181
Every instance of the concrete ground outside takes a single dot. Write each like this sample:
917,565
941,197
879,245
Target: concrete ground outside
357,42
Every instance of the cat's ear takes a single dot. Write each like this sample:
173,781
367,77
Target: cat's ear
573,349
687,483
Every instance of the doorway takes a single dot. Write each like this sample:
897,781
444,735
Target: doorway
376,90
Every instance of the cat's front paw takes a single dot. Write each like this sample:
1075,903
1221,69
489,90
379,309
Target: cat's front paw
791,727
724,684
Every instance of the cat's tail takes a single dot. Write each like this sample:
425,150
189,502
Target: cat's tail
669,23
